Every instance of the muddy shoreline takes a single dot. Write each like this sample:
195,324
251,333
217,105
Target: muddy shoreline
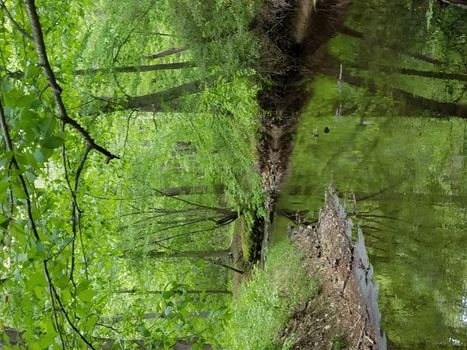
293,34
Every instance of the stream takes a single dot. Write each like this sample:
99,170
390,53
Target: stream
400,167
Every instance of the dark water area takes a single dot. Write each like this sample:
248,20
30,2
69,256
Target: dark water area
386,124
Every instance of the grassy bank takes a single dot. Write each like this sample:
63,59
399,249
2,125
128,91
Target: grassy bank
265,303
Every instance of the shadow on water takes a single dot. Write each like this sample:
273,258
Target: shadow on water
386,124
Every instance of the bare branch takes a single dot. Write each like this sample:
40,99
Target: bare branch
75,211
192,203
181,291
188,233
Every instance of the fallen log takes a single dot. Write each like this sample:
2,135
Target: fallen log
347,304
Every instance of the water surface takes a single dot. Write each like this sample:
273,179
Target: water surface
399,165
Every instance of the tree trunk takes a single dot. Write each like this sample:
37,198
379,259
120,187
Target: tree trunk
135,69
194,254
443,109
151,316
359,35
431,74
165,53
190,291
154,100
459,3
188,346
190,190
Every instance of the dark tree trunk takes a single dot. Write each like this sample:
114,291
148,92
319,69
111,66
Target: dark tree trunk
431,74
190,291
188,346
154,100
151,316
193,254
190,190
165,53
459,3
442,109
359,35
14,336
135,69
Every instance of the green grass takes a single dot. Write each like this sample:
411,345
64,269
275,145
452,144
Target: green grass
266,302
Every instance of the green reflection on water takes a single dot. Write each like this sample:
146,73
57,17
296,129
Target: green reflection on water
404,158
408,175
410,183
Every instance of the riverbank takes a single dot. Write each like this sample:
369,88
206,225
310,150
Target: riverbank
292,34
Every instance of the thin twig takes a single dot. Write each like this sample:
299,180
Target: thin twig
75,211
191,203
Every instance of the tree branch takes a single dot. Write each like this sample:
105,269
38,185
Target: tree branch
163,239
32,224
136,69
56,89
75,211
165,53
15,24
191,203
181,291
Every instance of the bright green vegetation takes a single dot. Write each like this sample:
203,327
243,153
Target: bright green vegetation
265,303
99,250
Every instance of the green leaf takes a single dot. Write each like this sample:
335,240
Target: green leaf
53,142
5,158
37,279
39,156
86,295
168,294
82,286
22,257
143,330
30,176
4,225
47,125
50,334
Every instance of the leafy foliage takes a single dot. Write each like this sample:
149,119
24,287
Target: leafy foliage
99,223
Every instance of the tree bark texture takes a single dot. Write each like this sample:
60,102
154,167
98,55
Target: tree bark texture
136,69
165,53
